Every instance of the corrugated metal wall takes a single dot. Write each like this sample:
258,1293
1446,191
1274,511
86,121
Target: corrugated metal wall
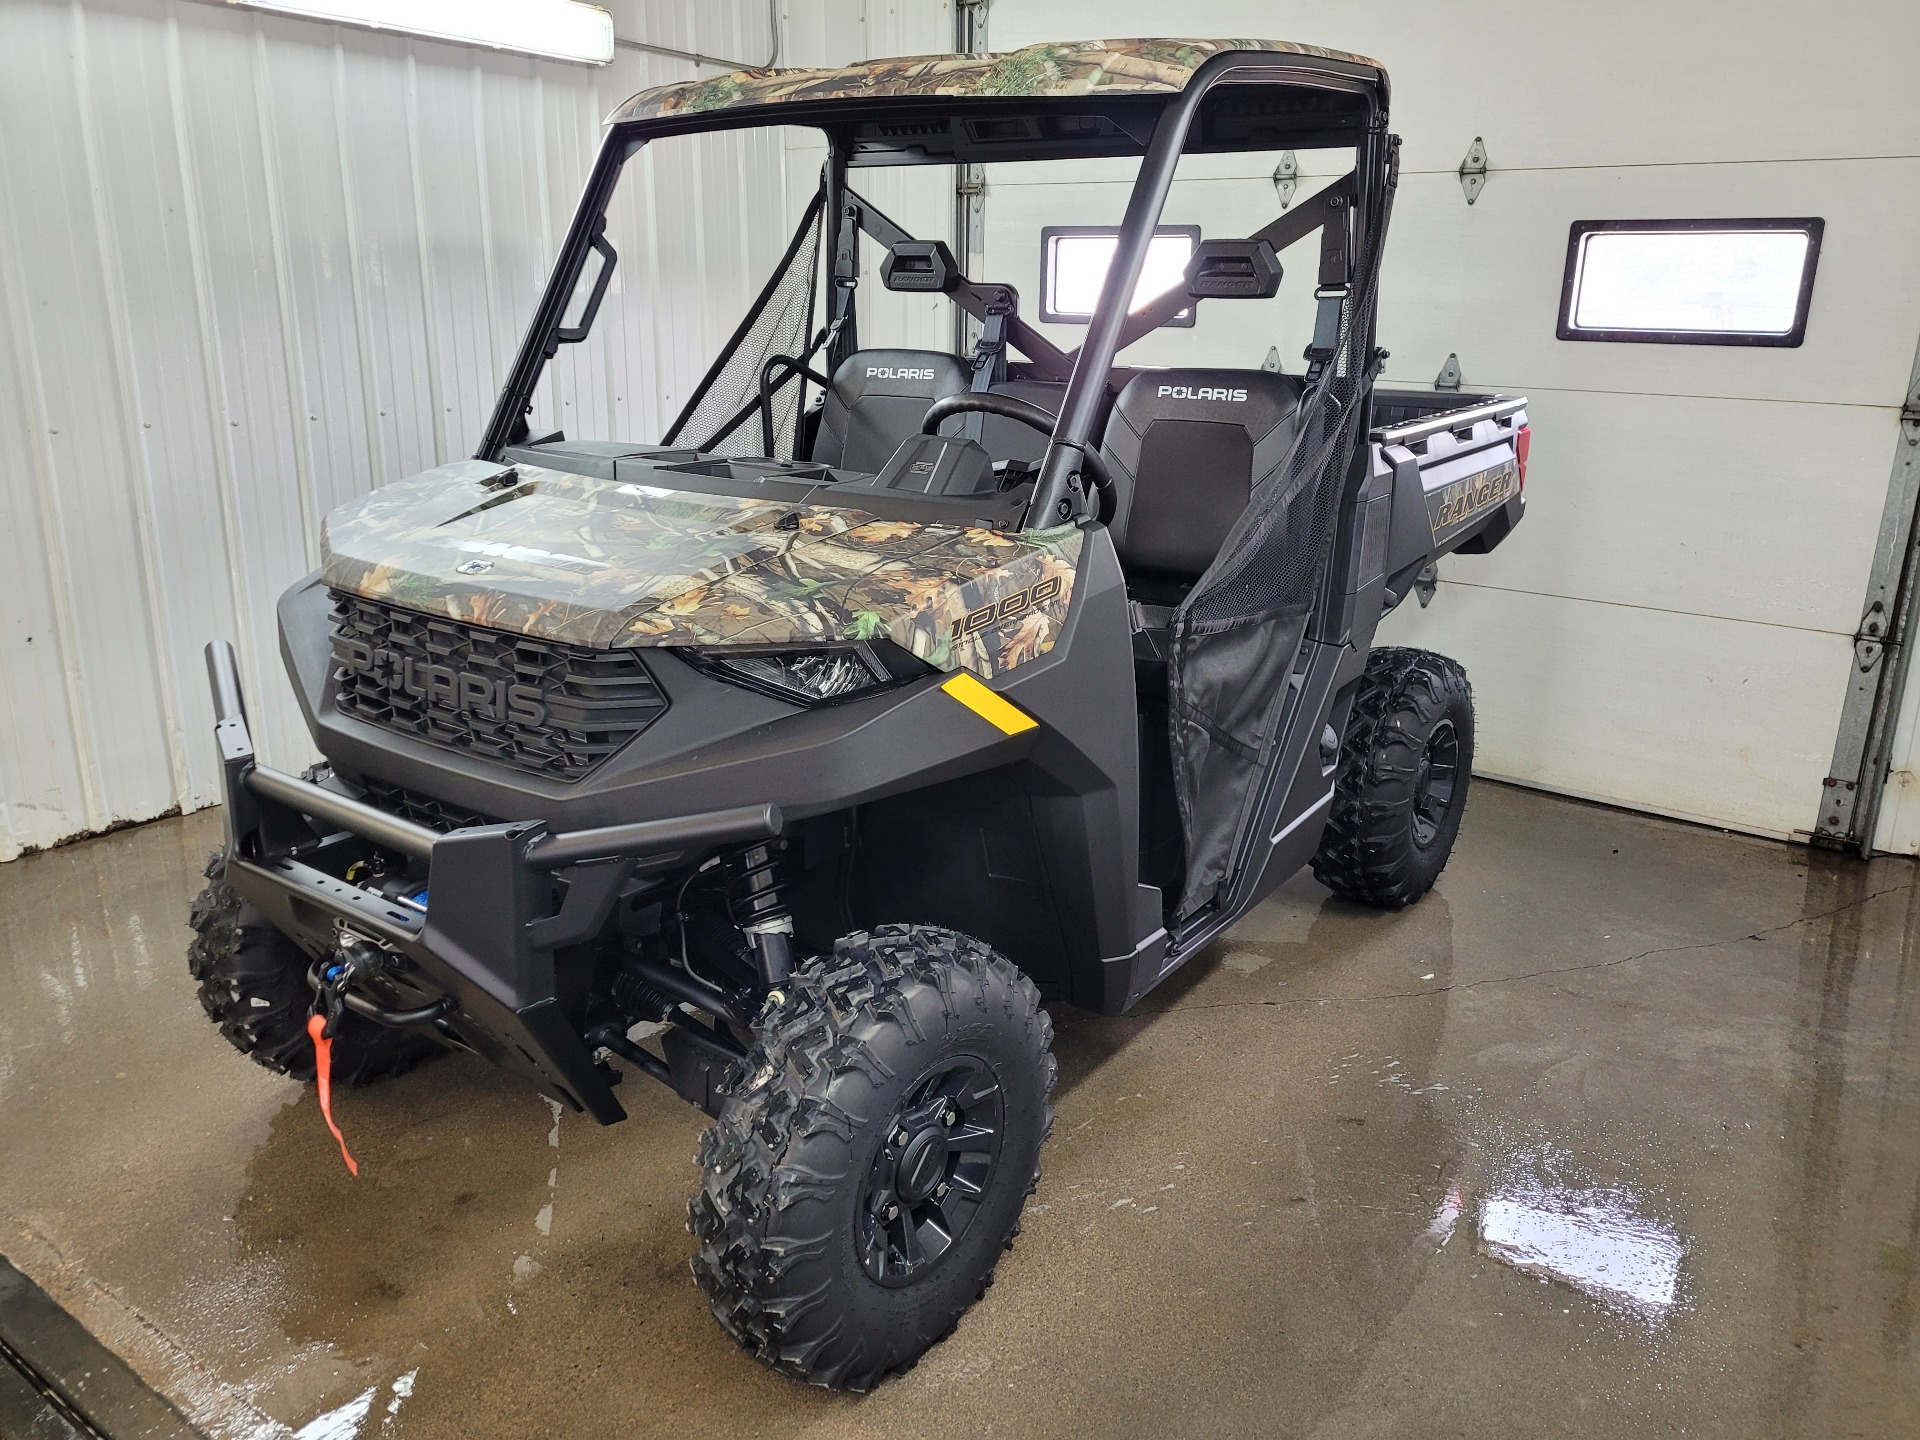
250,267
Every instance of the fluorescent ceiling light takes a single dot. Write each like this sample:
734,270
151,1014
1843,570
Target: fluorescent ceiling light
560,29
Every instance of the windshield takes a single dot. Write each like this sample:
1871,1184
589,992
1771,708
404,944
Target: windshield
722,274
721,279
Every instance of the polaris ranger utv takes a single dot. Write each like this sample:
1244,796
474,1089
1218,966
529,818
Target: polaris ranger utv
886,693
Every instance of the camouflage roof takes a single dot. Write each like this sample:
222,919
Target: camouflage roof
1060,69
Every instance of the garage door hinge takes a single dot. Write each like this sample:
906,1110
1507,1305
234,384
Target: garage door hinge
1473,169
1837,796
1286,178
1867,640
1840,794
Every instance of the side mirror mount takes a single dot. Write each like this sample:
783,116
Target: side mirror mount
921,267
1234,270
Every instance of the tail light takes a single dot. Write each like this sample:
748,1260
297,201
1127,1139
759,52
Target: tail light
1521,443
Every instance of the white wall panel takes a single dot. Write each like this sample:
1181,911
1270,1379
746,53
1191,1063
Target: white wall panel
251,267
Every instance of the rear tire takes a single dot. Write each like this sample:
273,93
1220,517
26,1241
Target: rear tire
830,1248
1405,764
253,985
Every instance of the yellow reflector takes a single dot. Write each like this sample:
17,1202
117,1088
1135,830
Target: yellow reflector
988,706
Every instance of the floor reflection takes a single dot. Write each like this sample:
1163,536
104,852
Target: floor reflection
1849,1219
1600,1240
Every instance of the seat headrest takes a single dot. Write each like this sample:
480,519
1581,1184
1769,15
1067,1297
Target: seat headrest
927,374
1257,401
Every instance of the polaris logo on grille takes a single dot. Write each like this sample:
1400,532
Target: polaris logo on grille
884,373
442,685
1201,392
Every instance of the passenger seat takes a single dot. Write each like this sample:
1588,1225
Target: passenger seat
878,399
1188,449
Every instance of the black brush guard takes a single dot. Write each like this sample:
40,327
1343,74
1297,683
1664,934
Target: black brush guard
481,956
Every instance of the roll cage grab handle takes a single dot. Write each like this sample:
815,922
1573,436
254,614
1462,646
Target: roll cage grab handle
1060,496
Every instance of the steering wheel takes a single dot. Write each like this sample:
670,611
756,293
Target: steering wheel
1012,407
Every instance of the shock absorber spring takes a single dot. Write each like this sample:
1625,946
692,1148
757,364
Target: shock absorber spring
755,902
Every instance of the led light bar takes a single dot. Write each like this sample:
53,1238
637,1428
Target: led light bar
558,29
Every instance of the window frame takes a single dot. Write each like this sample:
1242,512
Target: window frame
1184,320
1811,226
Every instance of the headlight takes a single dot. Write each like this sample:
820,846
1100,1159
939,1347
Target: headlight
816,675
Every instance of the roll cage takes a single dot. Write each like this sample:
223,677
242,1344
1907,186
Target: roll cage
1236,100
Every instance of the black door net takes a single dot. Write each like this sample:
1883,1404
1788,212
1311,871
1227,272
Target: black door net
722,415
1238,633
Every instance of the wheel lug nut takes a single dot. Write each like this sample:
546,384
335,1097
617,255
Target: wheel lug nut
941,1192
948,1118
893,1212
900,1138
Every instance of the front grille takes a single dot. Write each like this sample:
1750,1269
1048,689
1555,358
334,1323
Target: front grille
534,704
420,809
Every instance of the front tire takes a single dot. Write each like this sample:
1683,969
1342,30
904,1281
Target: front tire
1405,764
873,1159
253,985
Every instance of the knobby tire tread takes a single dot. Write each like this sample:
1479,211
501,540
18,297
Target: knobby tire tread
881,992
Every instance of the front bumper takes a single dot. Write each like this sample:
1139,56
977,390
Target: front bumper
503,898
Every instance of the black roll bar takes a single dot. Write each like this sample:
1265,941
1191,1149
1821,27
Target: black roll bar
789,368
1054,500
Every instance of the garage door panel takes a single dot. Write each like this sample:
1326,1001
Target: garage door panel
1672,628
1554,85
1743,509
1484,280
1709,719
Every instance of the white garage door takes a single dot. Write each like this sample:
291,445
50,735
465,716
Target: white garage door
1672,629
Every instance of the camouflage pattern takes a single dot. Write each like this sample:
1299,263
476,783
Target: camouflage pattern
1065,69
612,564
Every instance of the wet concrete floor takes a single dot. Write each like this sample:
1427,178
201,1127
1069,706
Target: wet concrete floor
1616,1133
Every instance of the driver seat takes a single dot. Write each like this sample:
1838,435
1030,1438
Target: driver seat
877,400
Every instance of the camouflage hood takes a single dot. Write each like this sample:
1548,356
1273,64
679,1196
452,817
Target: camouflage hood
610,564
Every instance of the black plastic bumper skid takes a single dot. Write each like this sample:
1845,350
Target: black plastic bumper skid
502,898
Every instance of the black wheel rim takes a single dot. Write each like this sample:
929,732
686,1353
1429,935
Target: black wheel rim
1436,783
934,1171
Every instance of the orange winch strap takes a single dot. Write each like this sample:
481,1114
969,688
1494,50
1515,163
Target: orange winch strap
323,1072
